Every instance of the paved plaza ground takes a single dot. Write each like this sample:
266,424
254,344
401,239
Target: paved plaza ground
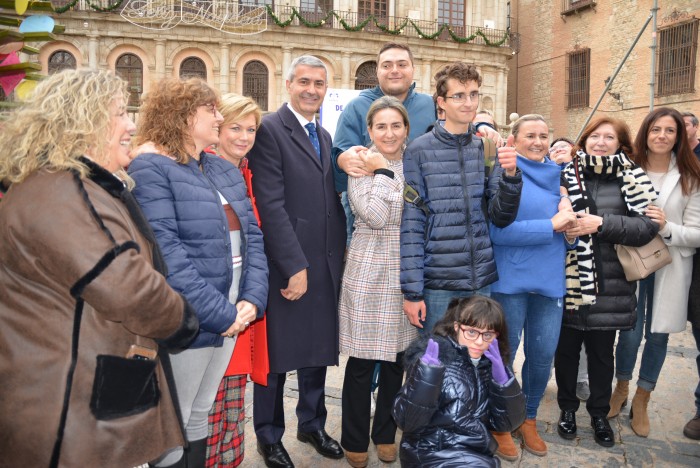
672,404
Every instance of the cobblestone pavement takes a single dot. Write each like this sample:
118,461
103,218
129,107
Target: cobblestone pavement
671,406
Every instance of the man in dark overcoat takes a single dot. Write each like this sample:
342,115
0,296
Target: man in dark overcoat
304,229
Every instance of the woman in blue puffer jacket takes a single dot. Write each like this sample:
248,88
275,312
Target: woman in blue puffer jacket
197,206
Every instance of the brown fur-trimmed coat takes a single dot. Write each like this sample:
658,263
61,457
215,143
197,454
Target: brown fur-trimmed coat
72,247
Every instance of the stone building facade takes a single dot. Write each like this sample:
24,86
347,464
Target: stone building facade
256,64
571,47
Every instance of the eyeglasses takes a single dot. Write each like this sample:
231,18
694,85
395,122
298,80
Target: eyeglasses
211,107
461,98
473,334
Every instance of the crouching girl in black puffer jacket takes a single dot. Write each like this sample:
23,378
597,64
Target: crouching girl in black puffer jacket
458,390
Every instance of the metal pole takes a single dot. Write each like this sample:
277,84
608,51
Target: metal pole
652,83
612,78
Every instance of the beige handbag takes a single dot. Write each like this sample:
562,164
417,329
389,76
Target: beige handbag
640,262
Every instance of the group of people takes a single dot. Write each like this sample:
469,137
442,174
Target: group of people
147,272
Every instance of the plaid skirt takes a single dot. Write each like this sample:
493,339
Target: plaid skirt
226,424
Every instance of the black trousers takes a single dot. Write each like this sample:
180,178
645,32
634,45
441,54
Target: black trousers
357,387
268,404
601,368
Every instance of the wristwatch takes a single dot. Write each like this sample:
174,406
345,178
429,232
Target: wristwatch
600,226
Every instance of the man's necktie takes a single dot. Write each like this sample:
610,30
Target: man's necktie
313,136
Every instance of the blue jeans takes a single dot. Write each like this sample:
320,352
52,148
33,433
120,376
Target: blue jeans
437,300
696,334
540,318
628,342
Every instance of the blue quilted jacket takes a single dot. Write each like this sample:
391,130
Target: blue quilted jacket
450,249
181,203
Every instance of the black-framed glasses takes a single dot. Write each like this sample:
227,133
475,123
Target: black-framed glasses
461,98
473,334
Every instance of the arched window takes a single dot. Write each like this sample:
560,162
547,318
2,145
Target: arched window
366,76
255,82
130,68
193,67
61,60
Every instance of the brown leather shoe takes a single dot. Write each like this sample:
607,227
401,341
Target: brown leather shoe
386,452
506,447
357,459
618,400
639,416
531,440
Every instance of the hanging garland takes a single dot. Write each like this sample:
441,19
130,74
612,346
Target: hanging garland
383,28
318,24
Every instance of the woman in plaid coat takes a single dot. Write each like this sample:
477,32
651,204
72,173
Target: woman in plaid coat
372,324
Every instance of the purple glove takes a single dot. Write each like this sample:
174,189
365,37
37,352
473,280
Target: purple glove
498,370
431,354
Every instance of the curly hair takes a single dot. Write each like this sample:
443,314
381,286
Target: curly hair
235,107
459,71
688,165
165,113
621,129
478,312
66,115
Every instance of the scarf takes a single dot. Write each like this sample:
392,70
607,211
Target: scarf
637,191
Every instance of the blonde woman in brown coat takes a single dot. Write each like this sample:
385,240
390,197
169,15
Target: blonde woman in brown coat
84,307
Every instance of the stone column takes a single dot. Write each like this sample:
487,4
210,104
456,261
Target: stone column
224,67
501,103
160,59
93,41
286,60
426,77
345,61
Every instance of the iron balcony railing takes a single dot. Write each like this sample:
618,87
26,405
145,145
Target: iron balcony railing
338,20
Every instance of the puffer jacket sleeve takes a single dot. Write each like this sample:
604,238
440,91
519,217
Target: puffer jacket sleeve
634,231
154,194
503,194
254,285
418,399
506,405
413,231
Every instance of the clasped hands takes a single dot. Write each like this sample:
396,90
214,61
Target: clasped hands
247,312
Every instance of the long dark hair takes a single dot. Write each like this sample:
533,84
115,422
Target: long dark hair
478,312
688,165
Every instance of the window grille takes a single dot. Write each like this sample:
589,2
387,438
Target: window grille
61,60
255,77
193,67
578,76
130,68
677,50
366,76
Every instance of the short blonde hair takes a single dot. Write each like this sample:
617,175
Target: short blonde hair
66,115
235,107
165,112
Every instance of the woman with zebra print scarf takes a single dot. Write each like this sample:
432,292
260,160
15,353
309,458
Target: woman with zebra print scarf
609,193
